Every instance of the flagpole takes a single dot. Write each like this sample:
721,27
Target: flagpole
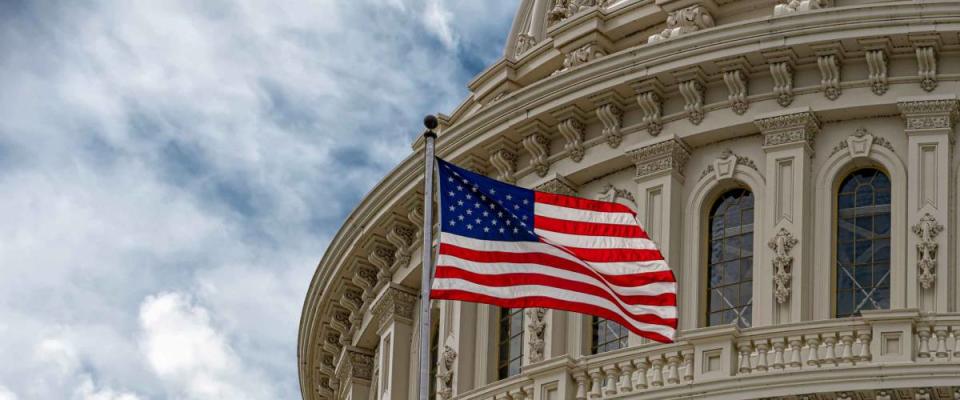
427,265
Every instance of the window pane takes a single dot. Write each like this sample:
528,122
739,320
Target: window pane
608,335
510,349
730,260
863,243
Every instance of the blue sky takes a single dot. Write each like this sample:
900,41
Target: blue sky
172,171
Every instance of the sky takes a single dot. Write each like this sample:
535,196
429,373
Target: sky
172,171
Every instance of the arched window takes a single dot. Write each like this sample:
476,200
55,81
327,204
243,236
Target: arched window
863,243
730,269
510,343
607,335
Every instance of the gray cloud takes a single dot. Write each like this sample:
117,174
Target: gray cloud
183,165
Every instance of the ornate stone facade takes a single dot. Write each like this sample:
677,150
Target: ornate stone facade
759,100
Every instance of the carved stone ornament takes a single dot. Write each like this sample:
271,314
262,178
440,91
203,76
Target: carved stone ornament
789,128
580,56
929,114
445,369
781,244
563,9
537,325
664,156
401,236
394,304
737,90
829,66
355,364
525,42
685,20
538,146
505,162
927,67
612,118
877,68
612,193
558,185
572,130
652,112
792,6
861,143
725,165
692,92
782,74
927,230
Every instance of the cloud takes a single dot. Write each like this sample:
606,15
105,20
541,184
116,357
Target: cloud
185,351
184,164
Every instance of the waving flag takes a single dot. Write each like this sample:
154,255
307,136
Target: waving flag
512,247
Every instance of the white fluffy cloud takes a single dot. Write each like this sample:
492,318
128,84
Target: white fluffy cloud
172,171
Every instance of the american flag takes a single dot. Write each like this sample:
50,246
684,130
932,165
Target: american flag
513,247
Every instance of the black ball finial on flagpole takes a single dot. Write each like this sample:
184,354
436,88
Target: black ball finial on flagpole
430,121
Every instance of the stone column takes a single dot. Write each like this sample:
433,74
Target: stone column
354,372
393,310
659,181
784,281
930,252
465,335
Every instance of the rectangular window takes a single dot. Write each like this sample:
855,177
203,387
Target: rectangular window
607,335
510,342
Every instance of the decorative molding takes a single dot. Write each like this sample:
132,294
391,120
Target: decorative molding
611,193
558,185
445,369
354,364
860,144
877,67
781,244
525,42
475,163
580,56
927,67
402,236
394,304
933,113
612,118
682,21
572,129
383,257
794,6
564,9
725,165
829,65
537,325
365,277
782,74
927,230
649,97
797,127
692,91
668,155
737,90
538,146
503,157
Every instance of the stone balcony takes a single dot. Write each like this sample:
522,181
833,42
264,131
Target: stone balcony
905,353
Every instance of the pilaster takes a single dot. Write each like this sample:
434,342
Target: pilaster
783,284
930,271
394,311
463,346
659,178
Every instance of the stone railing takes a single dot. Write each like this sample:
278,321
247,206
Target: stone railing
880,345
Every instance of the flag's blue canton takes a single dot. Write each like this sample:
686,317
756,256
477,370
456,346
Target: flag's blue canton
475,206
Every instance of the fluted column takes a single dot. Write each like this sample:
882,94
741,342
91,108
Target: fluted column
393,310
930,272
783,282
659,178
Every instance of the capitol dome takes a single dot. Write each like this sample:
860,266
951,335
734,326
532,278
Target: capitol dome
794,160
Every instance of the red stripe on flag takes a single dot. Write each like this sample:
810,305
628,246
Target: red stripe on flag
524,278
581,203
550,302
613,255
588,228
549,260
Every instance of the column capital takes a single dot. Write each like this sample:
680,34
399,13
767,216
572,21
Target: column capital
559,184
355,363
395,303
789,127
925,113
670,155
